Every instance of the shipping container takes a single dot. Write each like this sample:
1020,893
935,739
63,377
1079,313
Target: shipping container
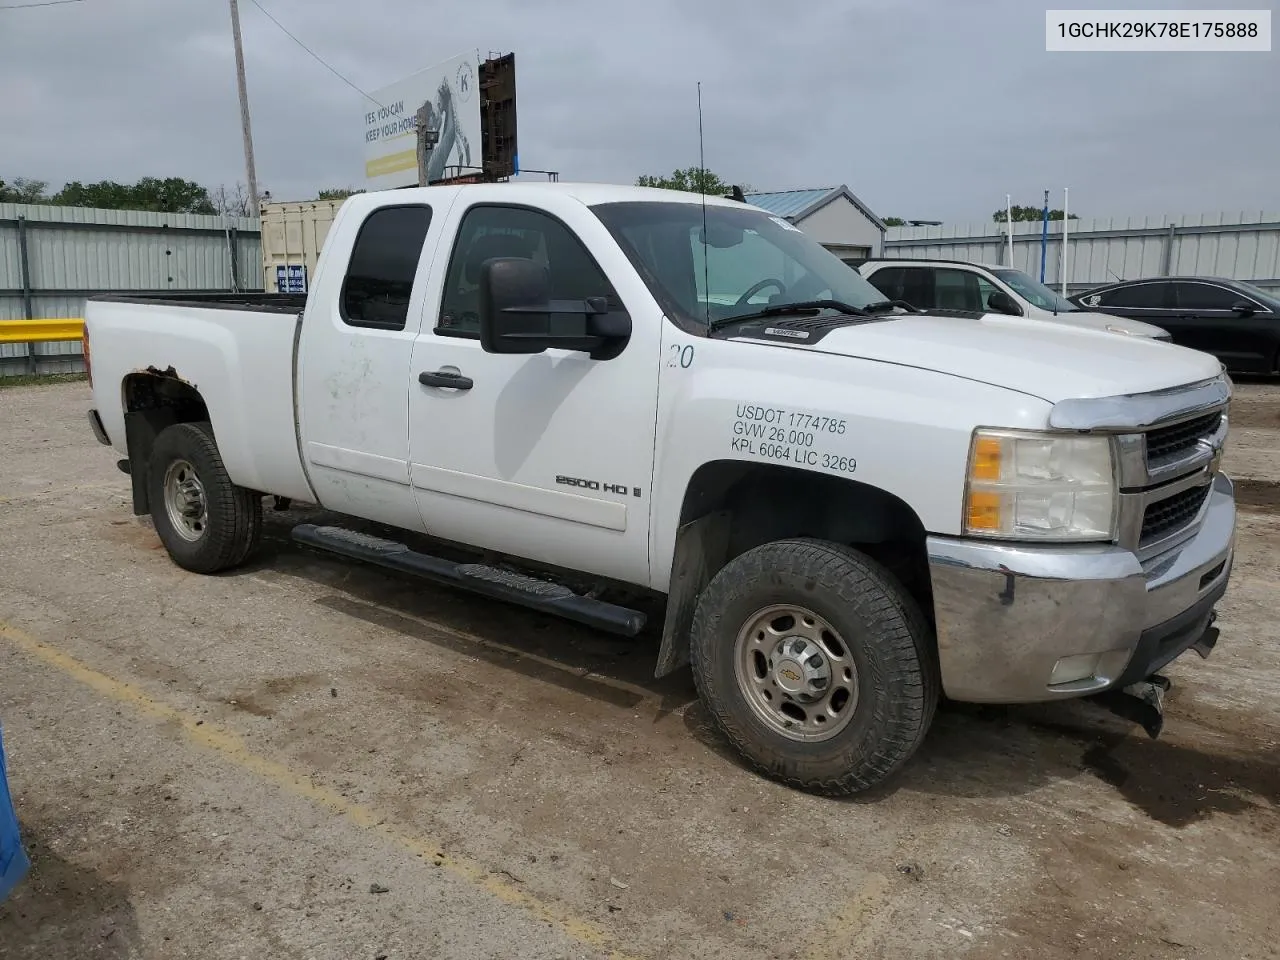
292,236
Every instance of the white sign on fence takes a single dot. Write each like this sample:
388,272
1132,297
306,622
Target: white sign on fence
446,99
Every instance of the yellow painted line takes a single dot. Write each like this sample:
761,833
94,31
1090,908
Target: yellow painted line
30,331
231,748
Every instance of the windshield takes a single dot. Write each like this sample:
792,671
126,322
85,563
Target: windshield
745,261
1035,291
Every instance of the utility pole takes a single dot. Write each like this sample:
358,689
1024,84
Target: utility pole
249,170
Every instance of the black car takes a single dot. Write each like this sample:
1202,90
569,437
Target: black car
1236,322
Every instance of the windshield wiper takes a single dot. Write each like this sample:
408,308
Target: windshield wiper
800,308
889,305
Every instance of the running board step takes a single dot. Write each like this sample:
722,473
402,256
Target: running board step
489,581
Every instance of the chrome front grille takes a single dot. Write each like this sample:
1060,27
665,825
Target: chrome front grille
1167,445
1178,461
1163,518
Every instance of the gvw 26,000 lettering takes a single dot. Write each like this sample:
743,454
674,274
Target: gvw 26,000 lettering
798,437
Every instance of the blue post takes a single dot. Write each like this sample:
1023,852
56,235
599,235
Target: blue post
1044,236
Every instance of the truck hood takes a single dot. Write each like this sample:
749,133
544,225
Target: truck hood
1052,361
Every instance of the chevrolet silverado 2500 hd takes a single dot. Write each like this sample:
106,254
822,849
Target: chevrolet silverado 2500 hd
849,507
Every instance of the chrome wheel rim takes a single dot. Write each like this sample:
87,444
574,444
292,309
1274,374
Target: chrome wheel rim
184,500
796,672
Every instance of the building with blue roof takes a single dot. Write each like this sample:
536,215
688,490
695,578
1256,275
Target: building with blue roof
833,216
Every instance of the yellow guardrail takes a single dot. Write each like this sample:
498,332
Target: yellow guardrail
41,331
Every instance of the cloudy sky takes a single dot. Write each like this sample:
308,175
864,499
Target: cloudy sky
931,109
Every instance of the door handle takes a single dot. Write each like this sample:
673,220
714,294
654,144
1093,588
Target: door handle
445,378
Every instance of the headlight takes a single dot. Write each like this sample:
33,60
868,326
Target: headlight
1040,486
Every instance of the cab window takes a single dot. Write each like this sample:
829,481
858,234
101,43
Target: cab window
956,290
493,231
384,260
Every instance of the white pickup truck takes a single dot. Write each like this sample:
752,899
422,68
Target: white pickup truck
850,507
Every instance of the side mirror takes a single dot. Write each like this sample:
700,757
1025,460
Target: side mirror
517,314
515,306
1001,302
1244,308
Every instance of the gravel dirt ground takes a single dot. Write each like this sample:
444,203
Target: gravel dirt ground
308,758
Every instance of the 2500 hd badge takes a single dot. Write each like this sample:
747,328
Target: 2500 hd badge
584,484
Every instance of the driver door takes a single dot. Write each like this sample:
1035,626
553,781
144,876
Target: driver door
542,456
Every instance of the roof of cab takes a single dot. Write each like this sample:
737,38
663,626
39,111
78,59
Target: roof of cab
587,193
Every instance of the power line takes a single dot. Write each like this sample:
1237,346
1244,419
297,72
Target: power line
42,3
319,59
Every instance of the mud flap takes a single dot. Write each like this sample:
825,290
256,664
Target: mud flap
700,550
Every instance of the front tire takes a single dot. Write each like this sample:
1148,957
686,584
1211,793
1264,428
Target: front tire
815,663
205,521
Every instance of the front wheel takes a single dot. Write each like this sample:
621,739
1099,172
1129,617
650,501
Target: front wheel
814,662
205,521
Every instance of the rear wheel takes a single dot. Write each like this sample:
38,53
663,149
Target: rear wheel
815,662
205,521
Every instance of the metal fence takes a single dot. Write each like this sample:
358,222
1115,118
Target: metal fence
52,258
1101,250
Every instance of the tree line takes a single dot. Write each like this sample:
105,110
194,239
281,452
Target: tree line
702,180
167,195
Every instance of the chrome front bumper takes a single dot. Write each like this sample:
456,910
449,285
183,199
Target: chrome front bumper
1018,624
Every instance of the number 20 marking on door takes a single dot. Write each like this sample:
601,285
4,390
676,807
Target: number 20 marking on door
681,356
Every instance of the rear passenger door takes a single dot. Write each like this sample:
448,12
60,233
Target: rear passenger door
353,363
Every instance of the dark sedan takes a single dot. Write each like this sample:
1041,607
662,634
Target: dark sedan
1236,322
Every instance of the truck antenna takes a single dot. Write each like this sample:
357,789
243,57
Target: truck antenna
702,189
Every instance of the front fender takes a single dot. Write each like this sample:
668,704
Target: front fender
899,429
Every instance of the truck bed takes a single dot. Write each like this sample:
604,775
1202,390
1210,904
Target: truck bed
237,350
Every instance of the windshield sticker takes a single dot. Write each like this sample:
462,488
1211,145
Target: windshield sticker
785,225
790,436
1092,301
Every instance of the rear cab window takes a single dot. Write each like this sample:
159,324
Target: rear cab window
384,260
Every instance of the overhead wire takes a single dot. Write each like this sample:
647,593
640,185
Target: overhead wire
319,59
39,3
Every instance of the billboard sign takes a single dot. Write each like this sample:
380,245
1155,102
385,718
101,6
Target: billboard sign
445,99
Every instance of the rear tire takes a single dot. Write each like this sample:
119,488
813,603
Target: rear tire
205,521
816,664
